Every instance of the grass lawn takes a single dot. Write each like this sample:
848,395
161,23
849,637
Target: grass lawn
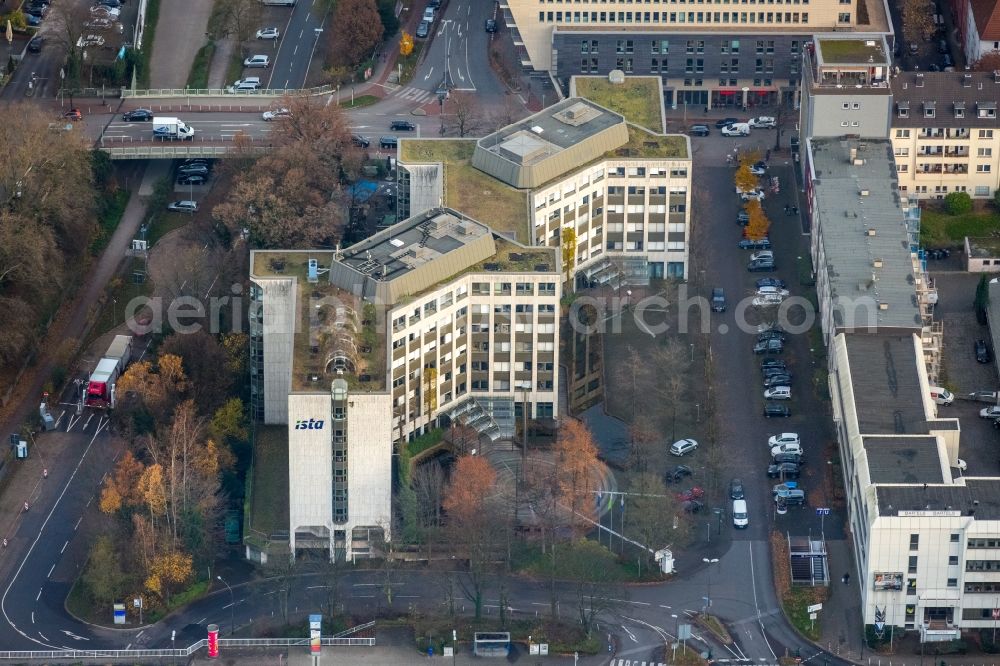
638,99
269,490
235,70
111,210
198,76
467,188
795,602
121,291
425,441
363,100
164,223
406,66
938,229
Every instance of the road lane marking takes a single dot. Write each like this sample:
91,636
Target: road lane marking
41,530
63,549
295,51
51,569
88,421
756,605
44,637
32,617
428,75
128,646
39,595
201,620
140,633
630,634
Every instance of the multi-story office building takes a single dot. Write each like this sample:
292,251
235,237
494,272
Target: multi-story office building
845,87
946,133
436,319
925,526
622,189
717,53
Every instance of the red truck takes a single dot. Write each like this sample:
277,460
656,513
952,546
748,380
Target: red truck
101,388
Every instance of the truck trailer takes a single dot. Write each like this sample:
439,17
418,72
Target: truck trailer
101,387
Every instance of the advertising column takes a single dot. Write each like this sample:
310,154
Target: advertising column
315,634
213,641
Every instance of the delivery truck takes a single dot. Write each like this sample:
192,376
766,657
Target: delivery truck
101,387
171,128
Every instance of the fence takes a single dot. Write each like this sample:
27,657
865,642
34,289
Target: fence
130,93
144,151
234,643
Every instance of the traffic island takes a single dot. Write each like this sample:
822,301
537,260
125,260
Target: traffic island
715,626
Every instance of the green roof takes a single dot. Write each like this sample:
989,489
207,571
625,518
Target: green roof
467,189
851,51
646,144
638,99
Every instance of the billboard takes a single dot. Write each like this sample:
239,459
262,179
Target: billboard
888,580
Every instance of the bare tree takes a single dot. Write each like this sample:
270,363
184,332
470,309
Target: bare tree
236,19
466,114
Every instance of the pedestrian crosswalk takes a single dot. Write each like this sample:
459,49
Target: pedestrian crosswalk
413,94
635,662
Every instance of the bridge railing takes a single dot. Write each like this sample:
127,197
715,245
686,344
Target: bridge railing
233,643
141,148
129,93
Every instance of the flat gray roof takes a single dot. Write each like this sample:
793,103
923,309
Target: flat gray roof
553,129
865,240
887,393
977,497
903,459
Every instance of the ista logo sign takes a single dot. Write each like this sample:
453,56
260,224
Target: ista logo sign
309,424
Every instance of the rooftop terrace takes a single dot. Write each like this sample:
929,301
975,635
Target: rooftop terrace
467,189
333,329
854,50
639,99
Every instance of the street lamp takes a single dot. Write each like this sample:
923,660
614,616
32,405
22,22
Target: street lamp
232,606
708,596
454,645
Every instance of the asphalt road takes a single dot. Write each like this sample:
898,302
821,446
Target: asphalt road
291,58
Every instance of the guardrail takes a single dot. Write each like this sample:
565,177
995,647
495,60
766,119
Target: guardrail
183,652
177,152
129,93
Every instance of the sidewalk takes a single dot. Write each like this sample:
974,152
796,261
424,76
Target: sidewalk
171,61
219,66
841,615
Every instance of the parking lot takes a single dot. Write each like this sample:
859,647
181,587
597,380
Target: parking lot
742,429
963,375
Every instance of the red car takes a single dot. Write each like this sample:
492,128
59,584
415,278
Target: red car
73,114
695,493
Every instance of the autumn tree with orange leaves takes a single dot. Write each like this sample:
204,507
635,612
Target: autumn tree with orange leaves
577,471
476,523
759,224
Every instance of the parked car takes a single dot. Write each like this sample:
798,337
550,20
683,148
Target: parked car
268,33
89,40
491,25
192,179
786,448
784,470
36,44
736,489
402,126
748,244
763,122
105,12
778,393
183,206
719,124
718,300
783,438
767,300
138,115
192,169
360,141
787,457
738,129
243,85
743,218
683,447
769,347
793,143
97,23
793,498
257,61
990,412
757,195
33,20
693,493
429,14
772,363
73,114
678,473
275,113
778,380
984,396
699,130
770,282
762,254
423,29
761,265
110,3
982,352
388,142
774,372
741,516
773,410
692,506
758,170
772,291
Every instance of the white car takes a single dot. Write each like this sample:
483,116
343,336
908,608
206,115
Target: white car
768,300
794,449
778,393
772,291
762,254
763,122
739,129
98,23
183,206
276,113
758,170
990,412
783,438
683,447
105,11
257,61
752,194
268,33
89,40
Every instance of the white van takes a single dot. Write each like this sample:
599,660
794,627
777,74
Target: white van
741,519
942,396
